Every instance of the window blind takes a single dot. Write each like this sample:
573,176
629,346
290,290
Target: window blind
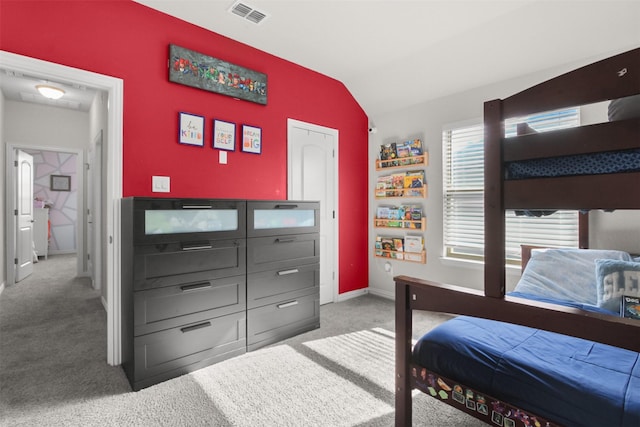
463,192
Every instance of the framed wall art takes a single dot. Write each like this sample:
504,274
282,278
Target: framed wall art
204,72
60,183
191,129
251,139
224,135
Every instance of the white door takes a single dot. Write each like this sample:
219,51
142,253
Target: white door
312,175
24,209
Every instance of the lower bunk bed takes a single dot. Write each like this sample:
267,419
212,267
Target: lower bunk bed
493,365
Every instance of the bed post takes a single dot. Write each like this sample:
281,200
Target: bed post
403,355
494,221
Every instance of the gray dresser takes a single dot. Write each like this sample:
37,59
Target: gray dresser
283,270
189,274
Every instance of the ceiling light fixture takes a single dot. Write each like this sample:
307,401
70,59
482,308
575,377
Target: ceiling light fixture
50,92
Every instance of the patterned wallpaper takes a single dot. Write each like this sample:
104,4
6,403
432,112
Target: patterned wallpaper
63,206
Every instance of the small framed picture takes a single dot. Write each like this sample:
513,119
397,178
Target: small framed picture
191,129
224,135
251,139
60,183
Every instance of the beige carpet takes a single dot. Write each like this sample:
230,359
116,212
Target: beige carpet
53,370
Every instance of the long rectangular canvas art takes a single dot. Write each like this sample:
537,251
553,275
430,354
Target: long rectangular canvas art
208,73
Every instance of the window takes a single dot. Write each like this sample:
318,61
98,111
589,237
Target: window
463,192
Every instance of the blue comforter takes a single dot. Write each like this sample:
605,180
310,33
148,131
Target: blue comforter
565,379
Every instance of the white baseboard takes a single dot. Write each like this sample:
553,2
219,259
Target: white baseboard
62,252
352,294
383,294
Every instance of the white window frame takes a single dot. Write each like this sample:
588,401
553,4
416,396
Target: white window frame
463,185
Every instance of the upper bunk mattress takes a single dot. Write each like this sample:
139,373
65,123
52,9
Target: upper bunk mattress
582,164
569,380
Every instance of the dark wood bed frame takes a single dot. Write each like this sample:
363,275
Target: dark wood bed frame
615,77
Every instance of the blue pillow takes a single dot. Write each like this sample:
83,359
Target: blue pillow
565,274
615,278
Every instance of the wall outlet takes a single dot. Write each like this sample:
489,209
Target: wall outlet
160,184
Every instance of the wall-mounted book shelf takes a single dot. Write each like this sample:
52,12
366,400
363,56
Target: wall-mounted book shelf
387,193
417,257
404,162
401,224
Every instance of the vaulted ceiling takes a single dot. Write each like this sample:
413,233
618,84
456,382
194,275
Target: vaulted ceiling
392,54
396,53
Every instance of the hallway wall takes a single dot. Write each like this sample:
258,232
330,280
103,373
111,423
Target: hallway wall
63,205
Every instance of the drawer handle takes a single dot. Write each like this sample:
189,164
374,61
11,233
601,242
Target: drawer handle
195,287
286,206
194,327
196,207
195,248
285,272
287,240
287,304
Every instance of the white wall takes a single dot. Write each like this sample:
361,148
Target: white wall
45,126
426,121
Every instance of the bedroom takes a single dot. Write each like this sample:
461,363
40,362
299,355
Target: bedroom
400,125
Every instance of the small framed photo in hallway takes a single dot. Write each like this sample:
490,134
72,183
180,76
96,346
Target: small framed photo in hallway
60,183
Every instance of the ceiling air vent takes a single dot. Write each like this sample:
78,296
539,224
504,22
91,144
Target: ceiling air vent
247,12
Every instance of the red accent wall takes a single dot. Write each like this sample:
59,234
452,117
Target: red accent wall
130,41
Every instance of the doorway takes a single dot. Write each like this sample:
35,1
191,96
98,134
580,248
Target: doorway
111,177
312,174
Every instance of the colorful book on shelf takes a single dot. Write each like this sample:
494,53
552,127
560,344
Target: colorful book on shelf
378,246
413,244
388,155
382,212
398,184
415,148
403,151
414,183
413,215
387,246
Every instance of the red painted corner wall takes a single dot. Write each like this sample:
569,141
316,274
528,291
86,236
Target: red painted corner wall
130,41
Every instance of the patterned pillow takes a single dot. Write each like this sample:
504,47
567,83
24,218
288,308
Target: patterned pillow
615,278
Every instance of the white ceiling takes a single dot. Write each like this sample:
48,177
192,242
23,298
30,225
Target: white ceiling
392,54
19,87
396,53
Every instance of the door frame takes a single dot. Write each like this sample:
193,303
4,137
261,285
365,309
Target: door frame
293,123
10,191
114,87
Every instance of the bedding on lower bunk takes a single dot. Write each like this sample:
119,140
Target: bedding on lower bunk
565,379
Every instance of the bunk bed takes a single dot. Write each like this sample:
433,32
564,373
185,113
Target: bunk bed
522,359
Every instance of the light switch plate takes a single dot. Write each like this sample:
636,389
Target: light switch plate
222,158
160,184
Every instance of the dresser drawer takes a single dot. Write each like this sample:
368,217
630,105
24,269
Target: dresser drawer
274,322
164,220
176,349
268,287
281,252
171,306
272,218
176,263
